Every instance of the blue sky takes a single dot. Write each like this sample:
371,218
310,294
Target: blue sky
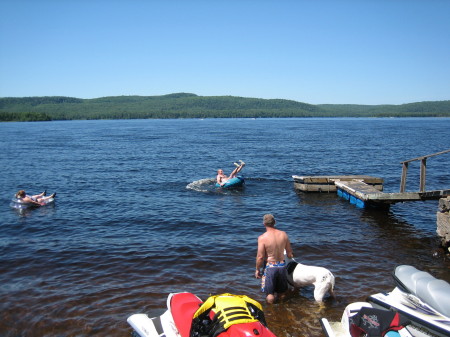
316,51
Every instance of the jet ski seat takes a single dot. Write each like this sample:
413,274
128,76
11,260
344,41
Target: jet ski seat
434,292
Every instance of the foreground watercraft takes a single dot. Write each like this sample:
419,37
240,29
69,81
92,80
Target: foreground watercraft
420,297
233,182
224,315
362,319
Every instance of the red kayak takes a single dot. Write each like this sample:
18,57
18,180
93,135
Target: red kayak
224,315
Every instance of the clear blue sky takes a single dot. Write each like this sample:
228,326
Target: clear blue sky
315,51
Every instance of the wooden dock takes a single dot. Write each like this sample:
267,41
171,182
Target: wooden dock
327,183
364,195
366,191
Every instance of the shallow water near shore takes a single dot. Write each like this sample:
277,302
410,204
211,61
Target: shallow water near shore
137,216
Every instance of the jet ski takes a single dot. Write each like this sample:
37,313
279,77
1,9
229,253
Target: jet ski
422,298
18,203
233,182
362,319
224,315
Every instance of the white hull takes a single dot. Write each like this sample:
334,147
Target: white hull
342,328
145,326
425,320
418,297
160,326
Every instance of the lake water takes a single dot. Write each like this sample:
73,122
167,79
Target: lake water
137,216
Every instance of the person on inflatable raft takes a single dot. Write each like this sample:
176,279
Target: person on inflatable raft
223,178
38,199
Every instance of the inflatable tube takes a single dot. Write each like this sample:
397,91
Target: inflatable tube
19,204
233,182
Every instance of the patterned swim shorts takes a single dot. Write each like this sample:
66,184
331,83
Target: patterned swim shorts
274,278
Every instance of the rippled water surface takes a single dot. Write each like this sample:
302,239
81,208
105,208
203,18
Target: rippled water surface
137,216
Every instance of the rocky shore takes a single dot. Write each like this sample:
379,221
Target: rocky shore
443,222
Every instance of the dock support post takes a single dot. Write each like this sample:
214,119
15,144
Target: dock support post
423,172
404,174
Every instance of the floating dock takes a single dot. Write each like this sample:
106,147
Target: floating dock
363,195
362,191
327,183
366,191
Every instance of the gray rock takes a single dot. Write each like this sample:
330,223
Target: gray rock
444,204
443,222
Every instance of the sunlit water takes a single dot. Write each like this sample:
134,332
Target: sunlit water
137,216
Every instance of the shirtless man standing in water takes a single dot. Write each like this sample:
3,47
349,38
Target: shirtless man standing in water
271,247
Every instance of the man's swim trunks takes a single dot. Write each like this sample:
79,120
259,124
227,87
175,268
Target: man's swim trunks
274,279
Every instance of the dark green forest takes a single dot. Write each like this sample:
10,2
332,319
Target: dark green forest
185,105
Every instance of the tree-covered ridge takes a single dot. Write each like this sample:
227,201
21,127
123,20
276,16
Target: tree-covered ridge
186,105
420,109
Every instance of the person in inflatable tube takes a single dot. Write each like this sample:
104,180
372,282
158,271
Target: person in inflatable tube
222,178
37,199
271,247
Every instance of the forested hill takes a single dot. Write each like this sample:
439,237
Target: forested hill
184,105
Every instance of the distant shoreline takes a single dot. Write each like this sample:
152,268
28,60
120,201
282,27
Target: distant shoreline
186,105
